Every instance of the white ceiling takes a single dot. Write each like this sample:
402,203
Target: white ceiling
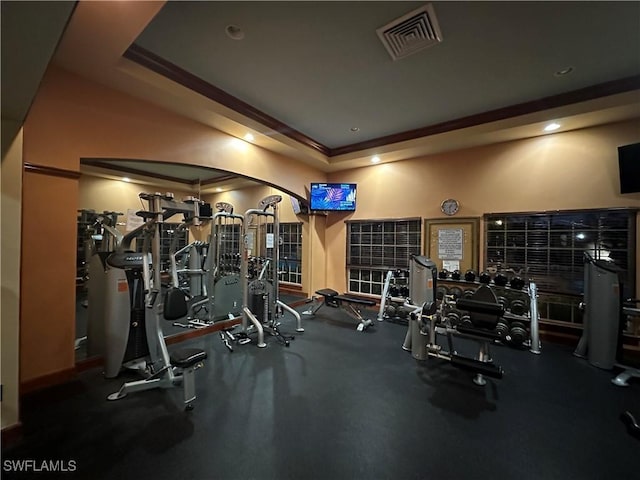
305,73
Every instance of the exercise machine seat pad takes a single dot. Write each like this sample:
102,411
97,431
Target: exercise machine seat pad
480,332
330,294
483,306
471,305
488,369
360,301
327,292
187,357
175,304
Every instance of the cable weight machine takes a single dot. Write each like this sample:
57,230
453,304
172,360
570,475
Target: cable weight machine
261,305
213,270
223,263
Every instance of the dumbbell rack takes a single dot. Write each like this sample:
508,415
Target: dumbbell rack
518,327
394,298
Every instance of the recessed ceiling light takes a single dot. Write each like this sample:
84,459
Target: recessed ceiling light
126,179
551,127
218,189
355,129
248,137
234,32
563,72
375,159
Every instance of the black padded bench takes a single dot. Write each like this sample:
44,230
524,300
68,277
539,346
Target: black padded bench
187,357
351,305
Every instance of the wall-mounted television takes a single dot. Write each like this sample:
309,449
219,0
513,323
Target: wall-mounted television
333,197
629,167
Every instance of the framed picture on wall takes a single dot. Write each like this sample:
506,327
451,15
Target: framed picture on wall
453,244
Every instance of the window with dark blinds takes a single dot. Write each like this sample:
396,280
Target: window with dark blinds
290,252
548,248
376,246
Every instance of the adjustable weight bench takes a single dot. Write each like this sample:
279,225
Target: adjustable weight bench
350,305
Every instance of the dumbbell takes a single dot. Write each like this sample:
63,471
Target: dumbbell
468,293
443,274
500,279
454,318
456,292
516,283
441,291
485,277
518,306
456,275
504,302
404,291
465,321
518,333
470,276
502,329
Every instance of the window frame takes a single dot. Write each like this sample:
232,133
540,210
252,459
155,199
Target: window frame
371,274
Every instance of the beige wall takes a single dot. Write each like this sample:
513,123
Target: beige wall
101,194
72,118
247,198
47,294
573,170
11,173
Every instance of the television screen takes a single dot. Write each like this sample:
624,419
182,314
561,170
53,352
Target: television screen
333,196
629,163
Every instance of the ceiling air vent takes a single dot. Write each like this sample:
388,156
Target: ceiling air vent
411,33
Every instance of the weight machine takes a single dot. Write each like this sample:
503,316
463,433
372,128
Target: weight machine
604,311
214,284
190,265
130,294
223,264
484,314
261,305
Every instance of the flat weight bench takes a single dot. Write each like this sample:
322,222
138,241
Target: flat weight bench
350,305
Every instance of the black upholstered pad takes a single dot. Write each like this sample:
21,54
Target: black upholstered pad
483,307
175,304
359,301
187,357
327,292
